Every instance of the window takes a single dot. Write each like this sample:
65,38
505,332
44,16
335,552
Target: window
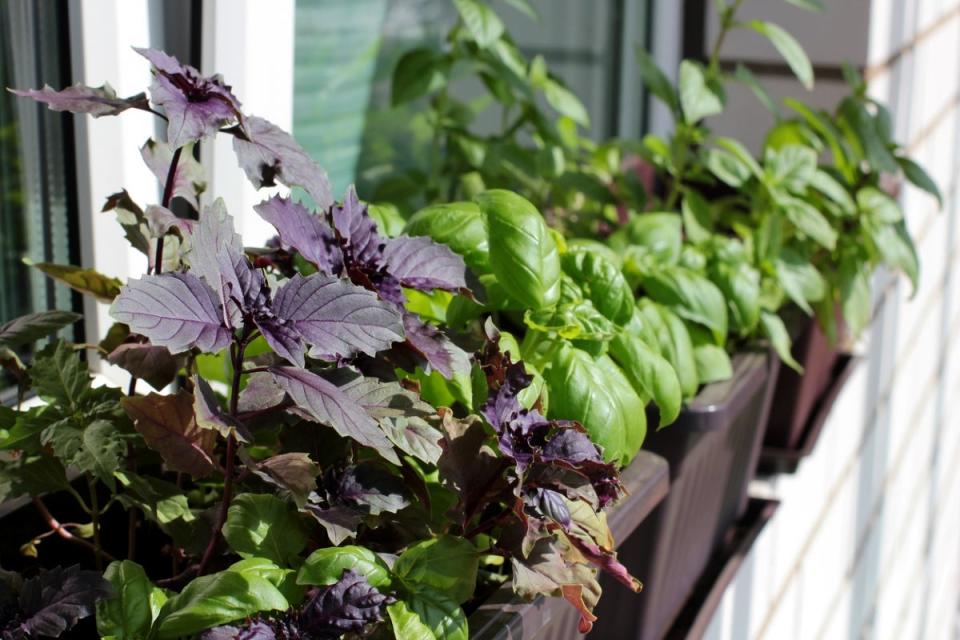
37,184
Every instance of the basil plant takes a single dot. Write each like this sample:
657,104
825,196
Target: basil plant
286,477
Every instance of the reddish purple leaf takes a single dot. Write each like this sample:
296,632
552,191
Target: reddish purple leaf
168,426
421,263
436,348
196,106
358,231
97,101
210,415
348,605
149,362
321,401
336,318
270,155
174,310
55,601
303,232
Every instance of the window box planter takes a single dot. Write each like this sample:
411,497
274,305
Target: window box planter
774,459
723,567
712,451
798,395
505,616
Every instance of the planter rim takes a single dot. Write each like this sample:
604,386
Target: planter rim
505,615
787,460
708,410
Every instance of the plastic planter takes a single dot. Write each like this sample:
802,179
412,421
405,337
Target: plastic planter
505,616
797,395
712,451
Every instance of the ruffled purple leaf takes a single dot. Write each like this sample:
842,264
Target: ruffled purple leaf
210,415
320,401
340,522
55,600
307,234
549,503
97,101
196,106
420,263
269,155
256,630
336,318
366,486
436,349
294,472
149,362
189,180
173,310
216,255
358,232
348,605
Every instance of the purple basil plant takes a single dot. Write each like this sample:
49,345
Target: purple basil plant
345,502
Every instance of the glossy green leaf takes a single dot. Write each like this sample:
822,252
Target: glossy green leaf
575,394
435,612
743,75
418,72
789,48
216,599
855,298
389,221
283,579
698,99
656,81
800,279
881,208
868,136
836,192
650,374
633,407
810,222
263,525
740,284
674,343
601,282
919,178
459,225
776,332
127,615
448,564
660,233
565,102
897,250
691,296
481,21
791,167
713,363
325,566
523,254
697,217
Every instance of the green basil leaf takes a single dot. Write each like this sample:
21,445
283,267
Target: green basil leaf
633,408
573,317
919,178
791,167
868,136
660,233
776,332
565,102
650,374
897,250
743,75
209,601
823,124
855,299
800,279
127,615
713,363
828,186
418,72
809,221
575,394
740,284
789,48
656,81
691,296
601,282
675,344
282,579
697,217
458,225
481,21
325,566
881,208
523,254
260,524
448,564
742,154
387,216
406,624
697,97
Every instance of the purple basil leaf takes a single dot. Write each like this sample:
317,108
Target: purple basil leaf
571,446
294,472
549,503
97,101
321,401
336,318
256,630
174,310
367,486
55,600
169,427
361,241
189,180
149,362
340,522
304,232
262,392
421,263
270,155
436,348
160,220
282,337
195,106
210,415
348,605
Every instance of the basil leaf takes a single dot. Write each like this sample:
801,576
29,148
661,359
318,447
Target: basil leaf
828,186
789,48
675,344
127,615
523,254
919,178
326,566
458,225
632,408
565,102
713,362
418,72
602,283
650,374
896,247
791,167
263,525
800,279
855,299
776,332
809,222
659,233
698,99
740,284
448,564
575,394
656,81
480,20
691,296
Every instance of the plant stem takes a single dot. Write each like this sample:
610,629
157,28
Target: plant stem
165,203
726,25
59,529
95,518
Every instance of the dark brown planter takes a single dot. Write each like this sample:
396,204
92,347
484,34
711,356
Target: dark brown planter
797,395
697,613
712,451
505,616
786,460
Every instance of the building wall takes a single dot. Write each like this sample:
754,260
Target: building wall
866,543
